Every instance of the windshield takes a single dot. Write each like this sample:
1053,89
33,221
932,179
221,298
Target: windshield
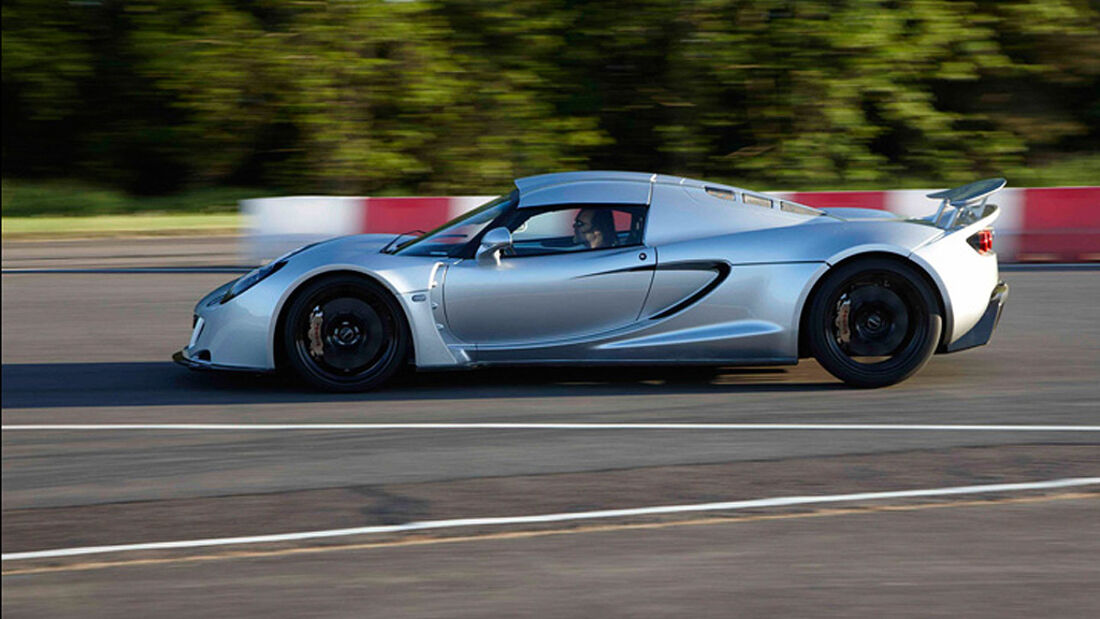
449,239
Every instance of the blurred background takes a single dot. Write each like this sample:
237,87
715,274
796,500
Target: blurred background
191,105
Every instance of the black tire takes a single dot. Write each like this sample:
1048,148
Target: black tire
874,322
345,333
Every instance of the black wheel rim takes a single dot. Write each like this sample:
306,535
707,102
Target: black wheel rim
346,334
876,321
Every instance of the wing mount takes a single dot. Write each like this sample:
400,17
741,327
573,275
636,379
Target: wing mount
967,200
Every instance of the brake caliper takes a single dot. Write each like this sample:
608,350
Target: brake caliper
316,343
843,331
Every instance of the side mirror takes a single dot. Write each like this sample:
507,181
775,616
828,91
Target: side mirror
492,244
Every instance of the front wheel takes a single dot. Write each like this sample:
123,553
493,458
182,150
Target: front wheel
874,322
345,333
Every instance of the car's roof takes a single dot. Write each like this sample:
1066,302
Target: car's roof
636,188
605,186
689,208
539,181
584,187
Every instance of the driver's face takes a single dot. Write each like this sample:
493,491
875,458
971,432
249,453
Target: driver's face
582,225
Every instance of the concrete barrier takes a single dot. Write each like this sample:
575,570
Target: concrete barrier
1055,224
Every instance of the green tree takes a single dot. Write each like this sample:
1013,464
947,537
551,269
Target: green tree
457,96
371,97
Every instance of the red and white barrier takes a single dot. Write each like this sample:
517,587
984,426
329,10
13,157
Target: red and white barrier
278,225
1060,224
1049,224
1056,224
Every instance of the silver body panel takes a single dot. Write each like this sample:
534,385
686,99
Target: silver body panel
525,301
720,278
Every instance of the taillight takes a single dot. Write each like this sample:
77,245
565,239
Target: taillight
982,242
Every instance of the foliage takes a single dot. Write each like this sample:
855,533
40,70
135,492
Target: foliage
460,96
23,198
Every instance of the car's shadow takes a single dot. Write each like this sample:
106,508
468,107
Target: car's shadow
159,383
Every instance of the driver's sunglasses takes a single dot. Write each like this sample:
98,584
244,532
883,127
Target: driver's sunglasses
580,224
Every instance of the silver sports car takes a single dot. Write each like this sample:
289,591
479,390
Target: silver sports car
621,268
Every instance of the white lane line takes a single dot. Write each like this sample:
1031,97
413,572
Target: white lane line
560,517
548,426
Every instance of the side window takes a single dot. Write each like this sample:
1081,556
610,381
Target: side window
576,228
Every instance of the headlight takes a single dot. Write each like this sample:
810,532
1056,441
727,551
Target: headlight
252,278
257,275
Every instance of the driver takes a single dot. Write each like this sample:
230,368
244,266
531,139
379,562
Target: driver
594,228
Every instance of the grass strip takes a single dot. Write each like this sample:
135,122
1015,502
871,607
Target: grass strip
152,224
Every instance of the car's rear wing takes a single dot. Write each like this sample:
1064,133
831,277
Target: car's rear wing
968,202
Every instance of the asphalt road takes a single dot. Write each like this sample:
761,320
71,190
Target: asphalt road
91,349
153,251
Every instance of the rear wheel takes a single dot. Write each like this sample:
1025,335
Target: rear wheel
345,333
874,322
